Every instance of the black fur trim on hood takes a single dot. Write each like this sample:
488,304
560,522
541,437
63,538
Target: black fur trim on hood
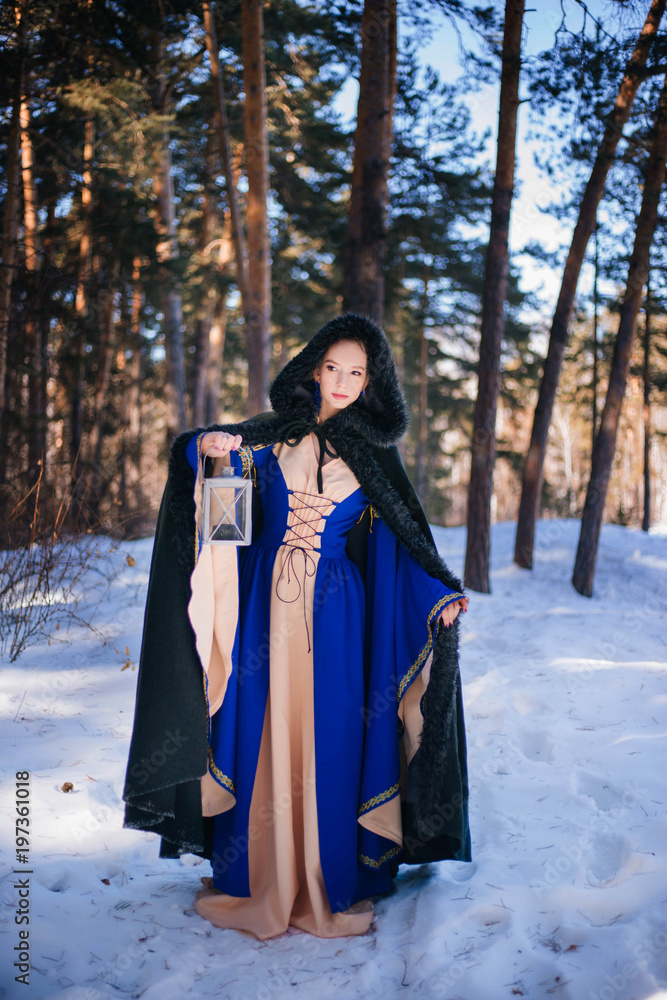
381,416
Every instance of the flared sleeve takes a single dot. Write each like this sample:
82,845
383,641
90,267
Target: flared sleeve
413,694
214,611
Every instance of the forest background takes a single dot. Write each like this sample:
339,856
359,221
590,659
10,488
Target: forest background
186,201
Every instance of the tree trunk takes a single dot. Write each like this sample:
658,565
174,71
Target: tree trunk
596,311
222,131
200,357
104,365
98,482
216,337
562,420
605,442
216,347
10,227
209,225
4,450
167,247
257,171
393,81
533,472
33,327
200,367
132,502
81,299
363,284
49,281
423,395
483,451
405,345
646,520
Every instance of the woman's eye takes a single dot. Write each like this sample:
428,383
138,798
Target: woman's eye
332,368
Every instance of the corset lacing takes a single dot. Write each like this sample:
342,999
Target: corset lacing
304,545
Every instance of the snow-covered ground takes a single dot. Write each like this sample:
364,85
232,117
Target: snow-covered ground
566,897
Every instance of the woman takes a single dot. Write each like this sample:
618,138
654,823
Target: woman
334,742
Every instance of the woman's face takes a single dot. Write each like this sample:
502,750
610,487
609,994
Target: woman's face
342,375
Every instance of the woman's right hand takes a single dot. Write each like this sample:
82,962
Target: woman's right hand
217,443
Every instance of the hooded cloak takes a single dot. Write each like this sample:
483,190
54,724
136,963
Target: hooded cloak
169,749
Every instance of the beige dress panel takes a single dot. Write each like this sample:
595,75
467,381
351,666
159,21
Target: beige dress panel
213,611
286,882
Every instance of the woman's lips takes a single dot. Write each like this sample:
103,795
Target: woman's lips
338,395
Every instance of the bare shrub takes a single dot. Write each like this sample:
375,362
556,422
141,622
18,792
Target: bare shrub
46,568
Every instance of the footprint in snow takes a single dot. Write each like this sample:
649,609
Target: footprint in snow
536,745
606,856
604,792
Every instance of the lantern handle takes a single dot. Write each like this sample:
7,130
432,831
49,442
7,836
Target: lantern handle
225,470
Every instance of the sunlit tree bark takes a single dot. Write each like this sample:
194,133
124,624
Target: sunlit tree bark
33,327
131,495
167,249
605,441
483,451
224,145
646,413
257,171
363,287
12,209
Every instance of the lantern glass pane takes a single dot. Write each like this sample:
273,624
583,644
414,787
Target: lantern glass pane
227,515
227,511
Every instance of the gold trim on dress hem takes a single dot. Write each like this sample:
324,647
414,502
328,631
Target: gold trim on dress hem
219,775
379,799
372,863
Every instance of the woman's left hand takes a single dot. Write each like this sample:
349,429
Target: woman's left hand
449,613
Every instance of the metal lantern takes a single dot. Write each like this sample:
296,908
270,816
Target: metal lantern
227,513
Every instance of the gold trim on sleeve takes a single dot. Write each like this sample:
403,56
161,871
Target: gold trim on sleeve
421,659
377,800
197,541
249,469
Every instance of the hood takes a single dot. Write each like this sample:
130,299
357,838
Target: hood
381,416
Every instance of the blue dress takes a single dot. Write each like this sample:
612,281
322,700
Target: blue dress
310,742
